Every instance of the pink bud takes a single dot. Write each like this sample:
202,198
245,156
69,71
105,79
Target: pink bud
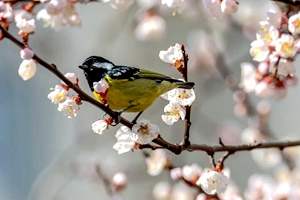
119,181
26,53
263,68
176,173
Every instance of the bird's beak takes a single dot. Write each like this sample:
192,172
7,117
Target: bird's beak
83,67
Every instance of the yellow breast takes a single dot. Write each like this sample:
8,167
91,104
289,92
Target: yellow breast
138,93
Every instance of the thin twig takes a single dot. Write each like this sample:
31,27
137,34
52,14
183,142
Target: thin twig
186,136
105,181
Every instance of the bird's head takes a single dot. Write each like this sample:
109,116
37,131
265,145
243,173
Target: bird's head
95,68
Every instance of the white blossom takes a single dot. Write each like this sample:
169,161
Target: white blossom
150,28
259,50
274,18
285,46
248,76
156,162
213,182
72,77
267,33
100,126
214,7
144,132
294,23
183,97
26,26
58,95
192,172
284,66
229,6
173,54
173,112
8,14
100,87
124,140
27,69
178,5
176,173
69,107
26,53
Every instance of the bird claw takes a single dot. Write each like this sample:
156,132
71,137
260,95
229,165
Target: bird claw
117,119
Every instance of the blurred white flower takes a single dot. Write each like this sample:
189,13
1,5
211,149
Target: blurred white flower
259,187
182,191
248,76
173,112
183,97
124,140
26,26
294,24
263,89
192,172
72,77
58,95
213,182
100,126
22,14
284,66
156,162
285,46
178,5
100,87
266,158
59,13
150,28
172,55
8,14
251,135
274,18
259,50
232,193
121,4
27,69
161,191
144,132
69,107
229,6
214,7
119,181
176,173
2,6
26,53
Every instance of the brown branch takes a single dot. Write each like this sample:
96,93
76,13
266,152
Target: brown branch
186,136
289,2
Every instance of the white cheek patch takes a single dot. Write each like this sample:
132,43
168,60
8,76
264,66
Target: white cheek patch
118,74
107,66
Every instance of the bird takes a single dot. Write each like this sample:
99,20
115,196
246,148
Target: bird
130,89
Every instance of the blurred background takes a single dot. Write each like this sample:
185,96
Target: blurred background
44,155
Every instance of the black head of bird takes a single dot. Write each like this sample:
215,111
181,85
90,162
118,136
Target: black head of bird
95,68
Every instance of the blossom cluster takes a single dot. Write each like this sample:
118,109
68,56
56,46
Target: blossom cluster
60,95
218,7
212,181
275,49
178,98
143,132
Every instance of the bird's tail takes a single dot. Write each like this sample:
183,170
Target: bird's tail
186,85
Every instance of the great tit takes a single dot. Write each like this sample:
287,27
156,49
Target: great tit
130,89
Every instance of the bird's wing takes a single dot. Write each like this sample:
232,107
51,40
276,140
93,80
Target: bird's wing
131,73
